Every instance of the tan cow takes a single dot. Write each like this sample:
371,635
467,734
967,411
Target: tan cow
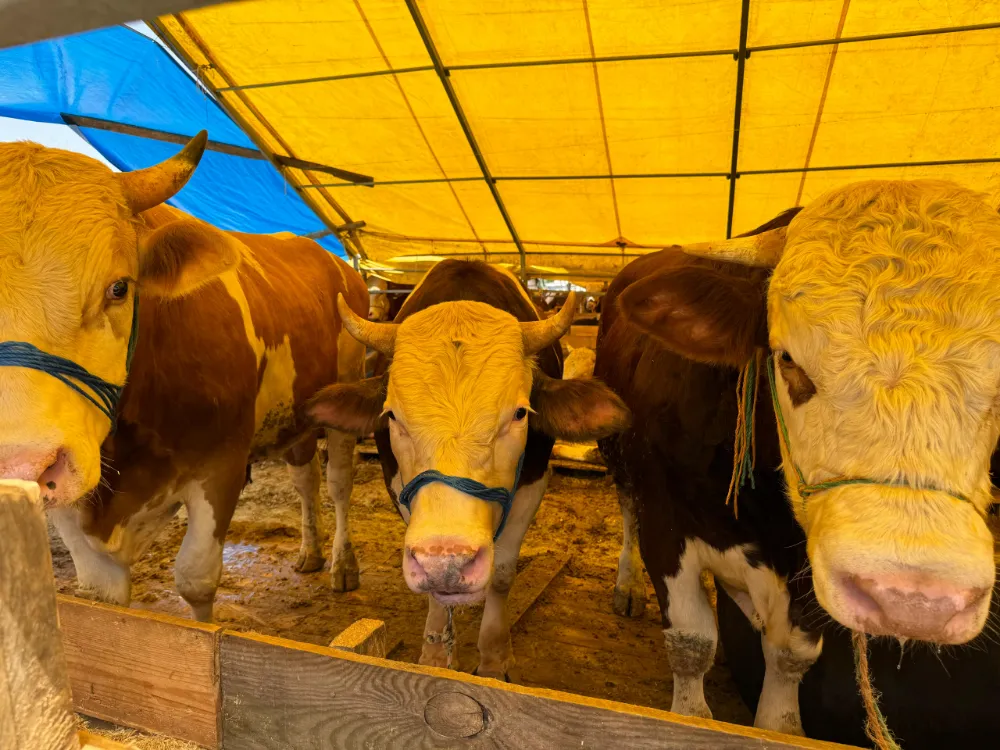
234,333
465,416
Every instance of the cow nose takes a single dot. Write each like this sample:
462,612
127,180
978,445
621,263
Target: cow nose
28,463
447,566
914,605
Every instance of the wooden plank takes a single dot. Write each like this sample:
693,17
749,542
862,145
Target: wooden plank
142,669
23,21
364,636
280,694
35,706
532,581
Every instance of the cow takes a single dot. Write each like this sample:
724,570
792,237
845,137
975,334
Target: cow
863,335
218,337
466,405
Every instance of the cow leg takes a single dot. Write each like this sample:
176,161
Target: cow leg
630,590
210,505
691,636
439,637
496,655
785,665
344,574
302,462
98,574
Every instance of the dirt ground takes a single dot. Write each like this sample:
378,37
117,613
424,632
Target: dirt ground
568,639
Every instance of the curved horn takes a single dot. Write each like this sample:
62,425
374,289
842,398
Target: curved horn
379,336
145,188
539,334
762,249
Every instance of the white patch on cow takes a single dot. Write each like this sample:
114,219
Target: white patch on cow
344,572
275,404
130,539
778,708
99,575
305,479
692,637
630,588
199,561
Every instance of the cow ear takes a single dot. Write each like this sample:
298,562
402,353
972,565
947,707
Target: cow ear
179,257
353,408
576,410
700,313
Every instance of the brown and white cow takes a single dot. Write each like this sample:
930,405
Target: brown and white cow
472,387
879,324
235,333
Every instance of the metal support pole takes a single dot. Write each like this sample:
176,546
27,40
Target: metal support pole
443,74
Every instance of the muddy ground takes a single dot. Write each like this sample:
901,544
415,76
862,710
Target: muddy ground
568,639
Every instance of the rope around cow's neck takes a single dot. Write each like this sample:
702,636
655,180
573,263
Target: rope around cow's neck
803,488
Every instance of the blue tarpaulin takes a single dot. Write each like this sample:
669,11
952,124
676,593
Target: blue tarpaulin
119,75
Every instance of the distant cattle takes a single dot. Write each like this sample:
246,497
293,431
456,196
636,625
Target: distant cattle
231,334
387,301
466,406
875,341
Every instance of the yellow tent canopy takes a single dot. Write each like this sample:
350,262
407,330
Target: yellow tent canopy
564,137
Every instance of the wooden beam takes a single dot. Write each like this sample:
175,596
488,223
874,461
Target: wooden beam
35,706
142,669
532,581
366,637
23,21
279,694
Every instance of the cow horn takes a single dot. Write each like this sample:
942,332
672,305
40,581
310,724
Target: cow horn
145,188
539,334
763,250
378,336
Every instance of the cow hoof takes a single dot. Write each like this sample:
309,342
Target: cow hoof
628,602
344,575
309,562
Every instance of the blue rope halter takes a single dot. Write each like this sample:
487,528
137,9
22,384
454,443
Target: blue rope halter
467,486
102,394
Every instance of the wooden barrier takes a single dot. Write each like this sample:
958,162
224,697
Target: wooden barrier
36,711
143,669
237,691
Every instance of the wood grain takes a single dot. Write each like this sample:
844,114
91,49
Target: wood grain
281,694
35,706
143,670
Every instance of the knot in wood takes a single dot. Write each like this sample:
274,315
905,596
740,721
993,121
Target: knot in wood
455,715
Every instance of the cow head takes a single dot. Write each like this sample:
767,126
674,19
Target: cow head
73,249
459,396
882,319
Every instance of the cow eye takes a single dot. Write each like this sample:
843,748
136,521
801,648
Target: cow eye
787,358
117,291
520,414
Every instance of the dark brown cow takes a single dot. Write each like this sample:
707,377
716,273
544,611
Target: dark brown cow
473,392
235,333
